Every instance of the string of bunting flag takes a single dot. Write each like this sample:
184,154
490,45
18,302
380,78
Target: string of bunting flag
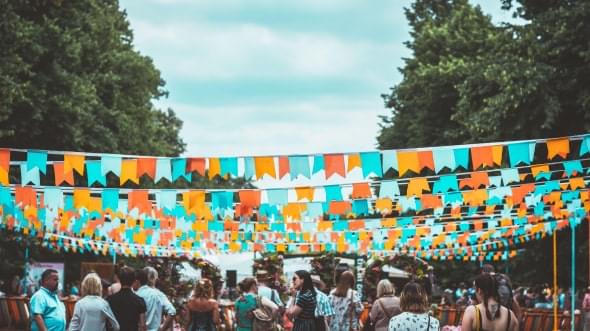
94,167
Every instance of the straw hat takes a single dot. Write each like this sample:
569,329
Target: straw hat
262,275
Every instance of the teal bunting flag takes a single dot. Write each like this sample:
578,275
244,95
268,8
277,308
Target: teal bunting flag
248,168
229,166
389,189
461,158
163,169
166,199
94,173
299,166
371,164
333,192
29,175
446,183
53,198
443,157
278,196
37,159
389,161
510,176
585,145
318,164
521,153
572,167
179,170
110,163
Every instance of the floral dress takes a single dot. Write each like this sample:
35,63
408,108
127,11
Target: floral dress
341,319
413,322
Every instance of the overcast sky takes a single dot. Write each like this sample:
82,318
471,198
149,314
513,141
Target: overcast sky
262,77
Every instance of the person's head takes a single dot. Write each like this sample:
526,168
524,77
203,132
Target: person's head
50,279
203,289
488,269
91,285
385,288
413,299
152,276
248,285
485,289
302,281
345,282
262,277
141,276
126,276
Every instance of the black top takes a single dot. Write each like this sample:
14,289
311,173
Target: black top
307,301
127,306
202,321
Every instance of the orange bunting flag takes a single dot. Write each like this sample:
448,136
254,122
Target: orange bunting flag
146,166
384,206
74,162
214,167
129,171
476,197
25,196
81,198
265,165
340,207
519,192
195,164
426,160
5,159
416,186
62,176
249,198
334,164
559,147
354,161
361,191
4,177
576,183
139,199
408,161
482,156
284,167
431,201
292,211
304,193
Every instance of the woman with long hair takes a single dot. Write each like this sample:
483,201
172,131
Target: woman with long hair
202,308
489,314
414,306
346,303
92,311
248,302
385,307
302,309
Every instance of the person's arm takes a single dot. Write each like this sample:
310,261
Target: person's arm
170,312
40,323
269,304
514,322
75,321
216,316
374,313
467,323
110,317
142,326
37,308
294,309
516,309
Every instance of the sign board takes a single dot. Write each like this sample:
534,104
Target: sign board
34,271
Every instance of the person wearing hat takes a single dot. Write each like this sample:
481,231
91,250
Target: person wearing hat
264,289
323,309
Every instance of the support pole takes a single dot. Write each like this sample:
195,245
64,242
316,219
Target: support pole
114,257
573,227
555,324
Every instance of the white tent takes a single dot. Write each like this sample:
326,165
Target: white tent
394,272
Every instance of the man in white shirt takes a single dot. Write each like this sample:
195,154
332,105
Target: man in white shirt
156,302
264,290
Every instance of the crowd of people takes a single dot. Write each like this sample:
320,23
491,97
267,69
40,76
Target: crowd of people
133,302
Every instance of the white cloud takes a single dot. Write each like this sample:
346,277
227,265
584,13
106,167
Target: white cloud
206,51
312,126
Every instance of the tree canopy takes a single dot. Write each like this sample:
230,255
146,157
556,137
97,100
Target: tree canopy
469,80
71,79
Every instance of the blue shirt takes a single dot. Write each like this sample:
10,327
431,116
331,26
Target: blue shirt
324,306
156,302
51,309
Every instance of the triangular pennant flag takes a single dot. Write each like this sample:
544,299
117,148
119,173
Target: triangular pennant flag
304,193
93,171
110,199
585,145
425,160
265,166
129,171
371,164
4,177
29,176
334,164
361,191
249,198
196,164
248,168
482,156
461,158
417,185
74,162
146,166
37,159
81,198
299,165
62,176
521,153
179,169
318,164
389,189
214,167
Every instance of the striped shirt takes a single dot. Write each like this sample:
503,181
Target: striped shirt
323,306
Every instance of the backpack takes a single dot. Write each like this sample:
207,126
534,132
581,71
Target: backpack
504,290
262,319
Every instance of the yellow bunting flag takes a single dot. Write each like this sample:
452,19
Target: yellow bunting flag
416,186
408,161
214,167
354,161
4,177
265,165
304,193
559,147
384,206
497,154
539,168
81,198
74,162
129,171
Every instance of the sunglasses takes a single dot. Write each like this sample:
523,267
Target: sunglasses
295,278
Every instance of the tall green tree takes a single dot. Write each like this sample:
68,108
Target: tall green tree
71,79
